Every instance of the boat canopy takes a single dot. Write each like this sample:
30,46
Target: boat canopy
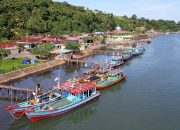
79,88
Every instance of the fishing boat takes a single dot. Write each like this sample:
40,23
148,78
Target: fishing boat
104,68
77,94
20,108
137,51
116,61
111,78
126,56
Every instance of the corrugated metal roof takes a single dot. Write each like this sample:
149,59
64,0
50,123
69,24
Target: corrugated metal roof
76,88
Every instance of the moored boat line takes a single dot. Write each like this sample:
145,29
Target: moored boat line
126,55
75,92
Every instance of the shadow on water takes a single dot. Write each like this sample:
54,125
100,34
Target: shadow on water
71,118
114,88
71,68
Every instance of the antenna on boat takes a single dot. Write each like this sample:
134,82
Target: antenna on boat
106,61
58,80
75,72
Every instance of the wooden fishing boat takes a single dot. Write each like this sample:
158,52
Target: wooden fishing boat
112,77
116,61
126,56
78,94
19,108
137,51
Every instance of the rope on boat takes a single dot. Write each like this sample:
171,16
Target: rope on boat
15,116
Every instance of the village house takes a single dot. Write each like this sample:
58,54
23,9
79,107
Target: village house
29,42
10,45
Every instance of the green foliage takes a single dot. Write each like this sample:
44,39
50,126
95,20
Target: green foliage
132,23
21,47
4,53
7,65
72,46
43,49
21,17
100,38
86,39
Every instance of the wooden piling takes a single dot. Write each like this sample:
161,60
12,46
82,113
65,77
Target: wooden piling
17,91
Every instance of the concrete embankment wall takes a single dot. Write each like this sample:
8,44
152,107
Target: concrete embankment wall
17,74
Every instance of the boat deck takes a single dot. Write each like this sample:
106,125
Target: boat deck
59,103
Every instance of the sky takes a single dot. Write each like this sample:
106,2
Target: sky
152,9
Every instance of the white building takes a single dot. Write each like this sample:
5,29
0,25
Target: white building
119,36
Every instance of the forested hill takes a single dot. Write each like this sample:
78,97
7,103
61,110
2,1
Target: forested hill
22,17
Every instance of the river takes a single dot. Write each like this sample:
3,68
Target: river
149,99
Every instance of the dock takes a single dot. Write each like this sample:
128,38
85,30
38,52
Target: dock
108,52
16,88
81,61
15,92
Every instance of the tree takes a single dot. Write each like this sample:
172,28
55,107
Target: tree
134,17
72,46
36,23
18,17
88,39
4,53
43,49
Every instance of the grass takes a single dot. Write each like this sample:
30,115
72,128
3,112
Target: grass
7,65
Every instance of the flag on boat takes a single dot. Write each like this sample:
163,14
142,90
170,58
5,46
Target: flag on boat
57,79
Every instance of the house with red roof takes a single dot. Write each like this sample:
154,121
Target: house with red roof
30,42
10,45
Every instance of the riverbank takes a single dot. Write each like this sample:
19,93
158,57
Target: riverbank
17,74
88,52
20,73
12,64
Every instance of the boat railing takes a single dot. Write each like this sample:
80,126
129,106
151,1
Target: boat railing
115,72
39,96
43,103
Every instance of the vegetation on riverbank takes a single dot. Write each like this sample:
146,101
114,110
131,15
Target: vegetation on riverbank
4,53
7,65
21,17
43,49
72,46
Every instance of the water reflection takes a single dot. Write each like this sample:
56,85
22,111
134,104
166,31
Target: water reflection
71,68
46,79
114,88
67,120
